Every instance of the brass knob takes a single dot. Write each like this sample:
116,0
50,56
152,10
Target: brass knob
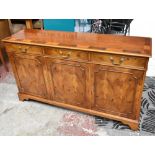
60,52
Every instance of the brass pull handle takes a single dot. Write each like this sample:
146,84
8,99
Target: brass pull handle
63,55
122,59
23,50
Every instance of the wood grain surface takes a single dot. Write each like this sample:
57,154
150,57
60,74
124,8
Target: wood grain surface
101,75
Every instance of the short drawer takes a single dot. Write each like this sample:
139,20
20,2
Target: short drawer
67,54
20,48
118,60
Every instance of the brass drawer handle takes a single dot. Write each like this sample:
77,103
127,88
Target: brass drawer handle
23,50
63,55
122,59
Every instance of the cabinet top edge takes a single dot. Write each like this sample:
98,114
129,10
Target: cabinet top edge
128,45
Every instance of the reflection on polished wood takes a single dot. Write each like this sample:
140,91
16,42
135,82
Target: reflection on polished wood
86,41
97,74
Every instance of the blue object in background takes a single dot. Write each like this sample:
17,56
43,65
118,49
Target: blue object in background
59,24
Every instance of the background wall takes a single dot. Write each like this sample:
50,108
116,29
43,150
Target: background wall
145,27
59,24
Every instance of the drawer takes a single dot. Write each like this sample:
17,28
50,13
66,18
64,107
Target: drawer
18,48
118,60
67,54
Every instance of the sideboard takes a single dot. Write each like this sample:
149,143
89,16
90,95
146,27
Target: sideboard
98,74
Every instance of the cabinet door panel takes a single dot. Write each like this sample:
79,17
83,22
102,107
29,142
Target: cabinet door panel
117,90
69,82
30,74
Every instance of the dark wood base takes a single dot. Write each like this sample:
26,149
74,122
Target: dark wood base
133,124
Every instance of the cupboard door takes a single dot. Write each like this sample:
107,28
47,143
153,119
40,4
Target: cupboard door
117,91
29,70
69,82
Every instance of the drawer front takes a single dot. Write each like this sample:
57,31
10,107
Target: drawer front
67,54
118,60
24,49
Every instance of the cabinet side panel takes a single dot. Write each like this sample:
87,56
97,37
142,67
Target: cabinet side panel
11,59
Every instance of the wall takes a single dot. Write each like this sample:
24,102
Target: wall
59,24
146,28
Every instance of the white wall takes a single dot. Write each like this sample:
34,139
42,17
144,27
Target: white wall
146,28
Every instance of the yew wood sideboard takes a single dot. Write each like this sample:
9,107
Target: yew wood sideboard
98,74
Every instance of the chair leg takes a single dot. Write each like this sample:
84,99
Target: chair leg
3,62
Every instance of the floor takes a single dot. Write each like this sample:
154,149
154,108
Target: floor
30,118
